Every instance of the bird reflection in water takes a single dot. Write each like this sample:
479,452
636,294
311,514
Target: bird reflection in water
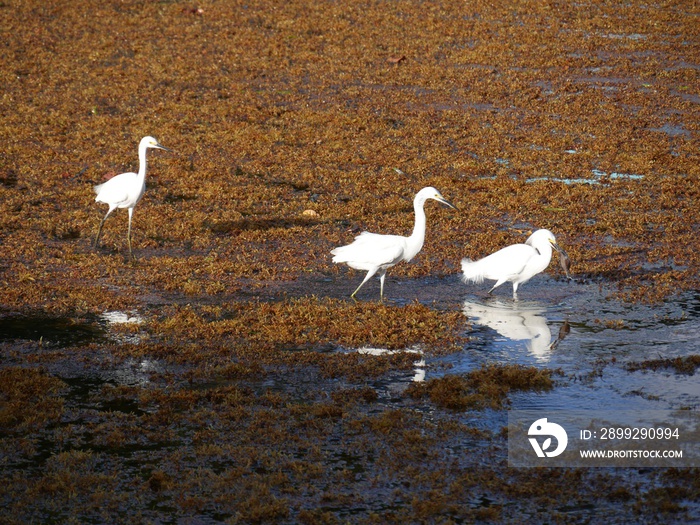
517,322
419,370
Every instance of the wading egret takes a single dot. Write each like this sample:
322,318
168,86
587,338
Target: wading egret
126,190
516,263
376,253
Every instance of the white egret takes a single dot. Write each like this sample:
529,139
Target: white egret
125,190
517,263
376,253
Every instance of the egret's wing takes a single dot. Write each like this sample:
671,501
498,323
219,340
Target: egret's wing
507,261
371,250
500,265
116,190
389,250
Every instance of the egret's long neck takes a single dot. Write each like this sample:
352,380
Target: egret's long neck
142,164
415,241
545,255
546,252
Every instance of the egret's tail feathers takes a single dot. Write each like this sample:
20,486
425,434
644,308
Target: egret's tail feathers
340,254
97,188
472,271
349,251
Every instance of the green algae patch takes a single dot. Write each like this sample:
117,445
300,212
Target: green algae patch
487,387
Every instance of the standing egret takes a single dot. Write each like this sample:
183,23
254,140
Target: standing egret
516,263
377,253
126,190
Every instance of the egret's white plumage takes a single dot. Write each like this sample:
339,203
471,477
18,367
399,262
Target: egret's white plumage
376,253
126,190
517,263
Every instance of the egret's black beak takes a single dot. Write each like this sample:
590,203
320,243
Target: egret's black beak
557,247
447,203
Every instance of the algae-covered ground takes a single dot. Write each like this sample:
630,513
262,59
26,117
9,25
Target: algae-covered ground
235,393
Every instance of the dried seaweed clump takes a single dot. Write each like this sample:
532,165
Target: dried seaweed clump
28,399
682,365
487,387
307,322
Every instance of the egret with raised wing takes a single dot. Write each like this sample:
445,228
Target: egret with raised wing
375,253
126,190
517,263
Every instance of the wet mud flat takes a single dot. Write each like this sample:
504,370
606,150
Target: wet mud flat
225,376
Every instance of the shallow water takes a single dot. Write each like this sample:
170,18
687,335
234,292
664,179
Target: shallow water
49,331
599,177
575,327
63,332
603,335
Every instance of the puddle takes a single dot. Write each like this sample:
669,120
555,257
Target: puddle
575,328
673,130
555,323
559,324
616,36
419,370
49,331
117,318
65,332
599,177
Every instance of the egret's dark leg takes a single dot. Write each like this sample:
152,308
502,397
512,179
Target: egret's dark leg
99,230
128,233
